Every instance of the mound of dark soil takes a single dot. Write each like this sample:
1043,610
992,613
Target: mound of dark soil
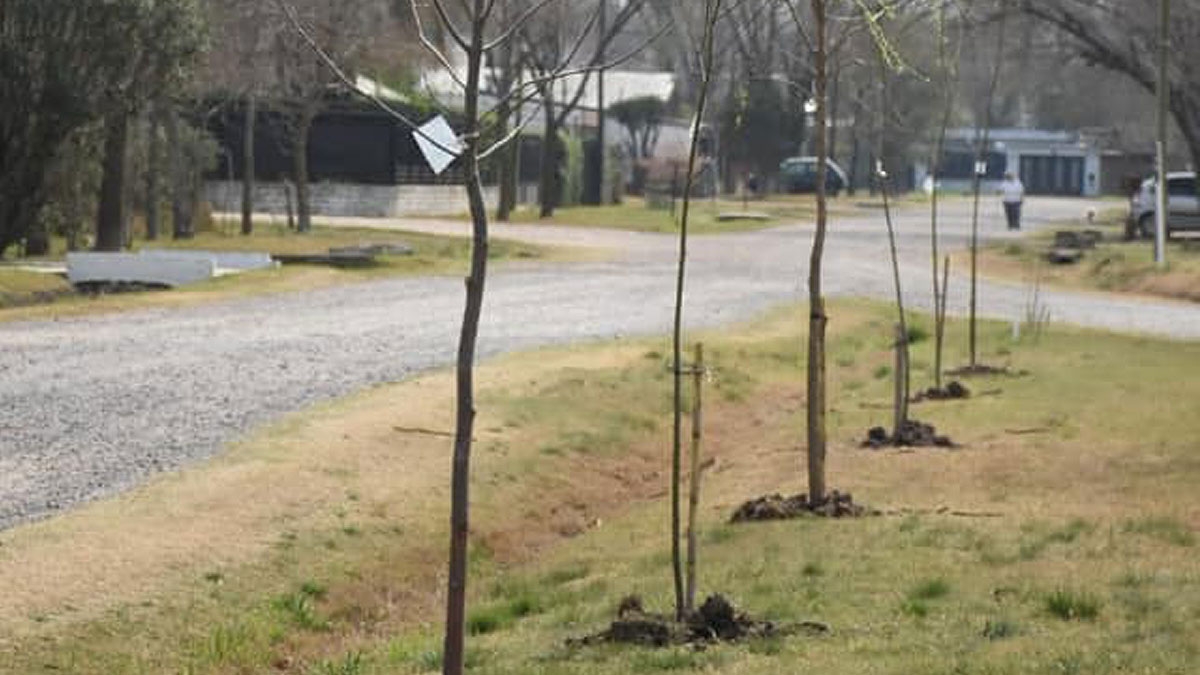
778,507
913,434
717,620
951,392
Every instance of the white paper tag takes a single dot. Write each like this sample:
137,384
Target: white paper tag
438,129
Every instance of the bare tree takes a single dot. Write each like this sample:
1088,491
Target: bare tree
1122,37
817,317
345,31
946,74
480,37
547,45
238,66
983,137
712,12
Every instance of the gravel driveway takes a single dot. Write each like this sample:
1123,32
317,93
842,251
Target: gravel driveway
94,405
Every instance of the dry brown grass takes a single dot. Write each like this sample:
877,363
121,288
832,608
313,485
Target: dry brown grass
572,447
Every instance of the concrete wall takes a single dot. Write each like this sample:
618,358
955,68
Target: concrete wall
368,201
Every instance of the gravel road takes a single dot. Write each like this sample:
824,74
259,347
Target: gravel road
92,406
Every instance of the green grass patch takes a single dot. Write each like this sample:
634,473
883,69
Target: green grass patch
1070,605
1169,530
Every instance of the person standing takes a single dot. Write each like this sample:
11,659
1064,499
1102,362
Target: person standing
1013,195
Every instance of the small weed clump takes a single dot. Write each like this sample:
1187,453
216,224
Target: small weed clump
300,610
932,589
1073,606
1168,530
1000,629
352,664
499,616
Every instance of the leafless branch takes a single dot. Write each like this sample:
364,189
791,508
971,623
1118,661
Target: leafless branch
306,36
432,48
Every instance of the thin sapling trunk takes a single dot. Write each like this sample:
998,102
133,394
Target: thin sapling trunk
980,172
902,380
816,302
456,595
711,14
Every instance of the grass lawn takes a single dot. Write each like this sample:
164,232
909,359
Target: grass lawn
635,215
432,255
1115,265
1076,553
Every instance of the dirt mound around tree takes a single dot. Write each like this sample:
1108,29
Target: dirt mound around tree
912,434
717,620
951,392
778,507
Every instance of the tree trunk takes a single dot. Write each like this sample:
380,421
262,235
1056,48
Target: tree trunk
902,328
947,73
508,166
37,241
453,647
548,185
248,168
981,154
110,217
181,187
711,13
153,168
817,318
300,169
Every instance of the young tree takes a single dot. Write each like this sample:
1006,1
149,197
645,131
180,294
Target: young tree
946,71
981,151
481,36
712,12
817,317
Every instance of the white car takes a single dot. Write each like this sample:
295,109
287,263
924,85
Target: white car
1183,206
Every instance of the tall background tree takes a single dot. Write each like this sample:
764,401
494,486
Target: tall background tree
1122,37
566,33
67,66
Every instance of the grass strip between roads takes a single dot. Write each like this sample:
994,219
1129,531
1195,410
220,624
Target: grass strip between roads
31,295
1114,266
1060,539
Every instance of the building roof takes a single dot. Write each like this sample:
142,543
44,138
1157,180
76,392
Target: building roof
619,85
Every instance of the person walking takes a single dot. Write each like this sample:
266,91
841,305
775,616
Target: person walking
1013,195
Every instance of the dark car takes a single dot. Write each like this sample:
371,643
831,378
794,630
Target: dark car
799,175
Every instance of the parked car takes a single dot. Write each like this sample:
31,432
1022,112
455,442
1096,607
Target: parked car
1183,206
799,175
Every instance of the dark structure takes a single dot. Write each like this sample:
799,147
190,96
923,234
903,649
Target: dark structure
350,142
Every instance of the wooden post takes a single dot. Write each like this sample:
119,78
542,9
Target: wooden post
939,317
698,373
901,394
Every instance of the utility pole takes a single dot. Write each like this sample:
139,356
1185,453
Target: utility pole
1164,101
600,116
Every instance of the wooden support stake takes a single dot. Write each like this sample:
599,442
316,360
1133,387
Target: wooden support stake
698,374
901,397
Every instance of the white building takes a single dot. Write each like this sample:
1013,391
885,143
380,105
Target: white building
1048,162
